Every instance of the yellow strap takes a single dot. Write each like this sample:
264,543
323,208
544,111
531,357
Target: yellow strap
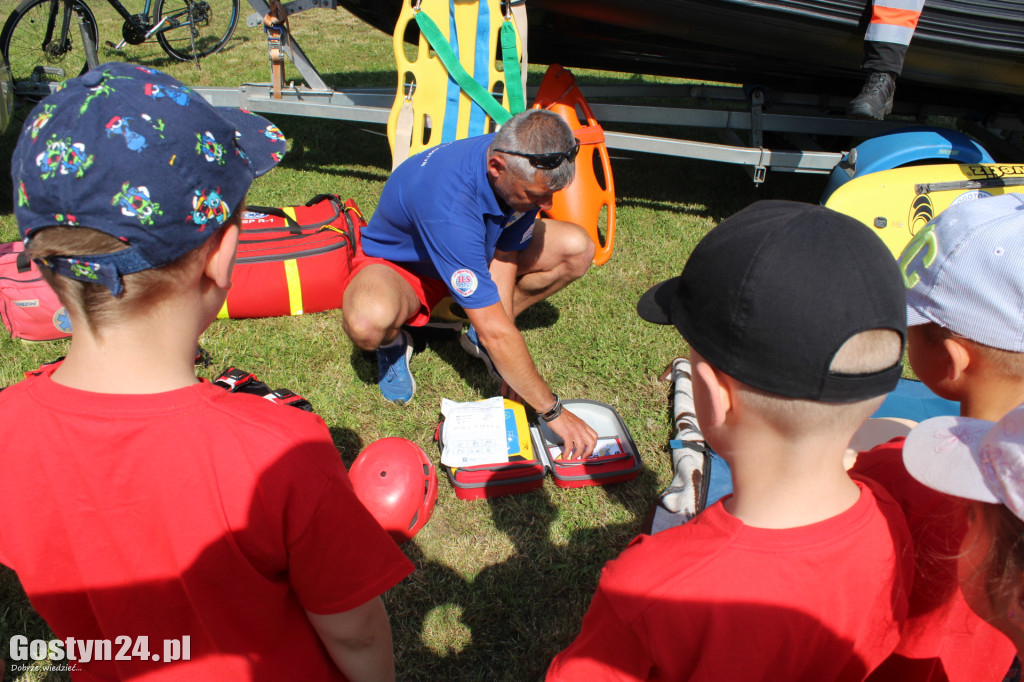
223,314
291,276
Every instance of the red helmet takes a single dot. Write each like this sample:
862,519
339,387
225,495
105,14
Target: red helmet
396,482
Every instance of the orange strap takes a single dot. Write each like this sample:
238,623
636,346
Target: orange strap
276,25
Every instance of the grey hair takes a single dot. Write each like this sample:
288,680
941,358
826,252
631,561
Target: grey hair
536,131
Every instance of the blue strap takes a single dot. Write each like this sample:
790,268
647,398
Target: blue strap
478,93
449,131
481,66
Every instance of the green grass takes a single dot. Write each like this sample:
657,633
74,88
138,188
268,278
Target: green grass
500,585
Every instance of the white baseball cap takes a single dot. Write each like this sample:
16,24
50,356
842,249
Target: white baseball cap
965,271
971,458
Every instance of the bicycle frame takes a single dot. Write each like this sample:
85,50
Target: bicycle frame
116,4
90,48
144,31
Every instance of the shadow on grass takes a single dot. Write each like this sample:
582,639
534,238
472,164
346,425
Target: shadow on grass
445,343
163,60
664,183
348,442
540,314
364,364
509,620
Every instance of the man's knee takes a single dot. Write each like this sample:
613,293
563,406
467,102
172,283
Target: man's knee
579,250
373,307
361,329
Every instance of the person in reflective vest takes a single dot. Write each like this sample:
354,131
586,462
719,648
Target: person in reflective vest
885,46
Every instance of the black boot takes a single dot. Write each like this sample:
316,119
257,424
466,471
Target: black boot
875,98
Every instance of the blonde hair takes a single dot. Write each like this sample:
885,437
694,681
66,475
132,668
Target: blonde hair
870,351
1005,562
92,302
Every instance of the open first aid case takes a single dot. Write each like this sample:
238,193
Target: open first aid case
534,450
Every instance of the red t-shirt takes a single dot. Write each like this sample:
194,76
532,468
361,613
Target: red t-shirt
942,639
196,512
717,600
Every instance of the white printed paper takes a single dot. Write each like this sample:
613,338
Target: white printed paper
474,432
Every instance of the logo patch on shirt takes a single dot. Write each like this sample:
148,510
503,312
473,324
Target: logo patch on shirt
527,235
464,281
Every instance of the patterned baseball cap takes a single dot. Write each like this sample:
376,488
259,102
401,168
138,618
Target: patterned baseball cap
134,153
965,271
971,458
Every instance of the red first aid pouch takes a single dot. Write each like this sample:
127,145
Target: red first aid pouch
615,458
534,450
293,260
523,472
29,308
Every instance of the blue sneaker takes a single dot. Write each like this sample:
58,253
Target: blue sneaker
471,344
394,378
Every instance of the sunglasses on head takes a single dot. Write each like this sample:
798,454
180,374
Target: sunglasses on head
546,160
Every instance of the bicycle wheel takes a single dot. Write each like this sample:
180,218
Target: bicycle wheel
195,28
24,40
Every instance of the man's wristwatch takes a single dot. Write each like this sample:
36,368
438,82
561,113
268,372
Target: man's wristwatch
555,411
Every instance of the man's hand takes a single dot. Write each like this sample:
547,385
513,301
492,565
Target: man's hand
578,439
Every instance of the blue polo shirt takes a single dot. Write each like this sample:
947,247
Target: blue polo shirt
439,217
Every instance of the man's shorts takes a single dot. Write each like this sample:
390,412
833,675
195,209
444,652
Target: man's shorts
429,291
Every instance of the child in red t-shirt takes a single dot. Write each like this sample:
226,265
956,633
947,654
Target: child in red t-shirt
142,506
982,462
795,317
964,274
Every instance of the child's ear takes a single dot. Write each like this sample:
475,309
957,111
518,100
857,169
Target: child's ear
719,392
221,260
959,358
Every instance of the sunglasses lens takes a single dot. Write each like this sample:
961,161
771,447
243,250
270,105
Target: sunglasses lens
546,161
549,160
553,160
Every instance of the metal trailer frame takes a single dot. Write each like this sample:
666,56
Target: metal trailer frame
373,105
728,110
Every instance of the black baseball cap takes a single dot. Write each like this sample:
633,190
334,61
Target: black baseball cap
771,294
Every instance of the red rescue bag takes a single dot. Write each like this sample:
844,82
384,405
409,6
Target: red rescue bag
293,260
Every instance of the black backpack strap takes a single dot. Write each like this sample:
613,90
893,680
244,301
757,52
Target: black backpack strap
23,261
293,226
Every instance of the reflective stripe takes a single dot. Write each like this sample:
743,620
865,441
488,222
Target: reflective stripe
894,21
882,33
291,276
